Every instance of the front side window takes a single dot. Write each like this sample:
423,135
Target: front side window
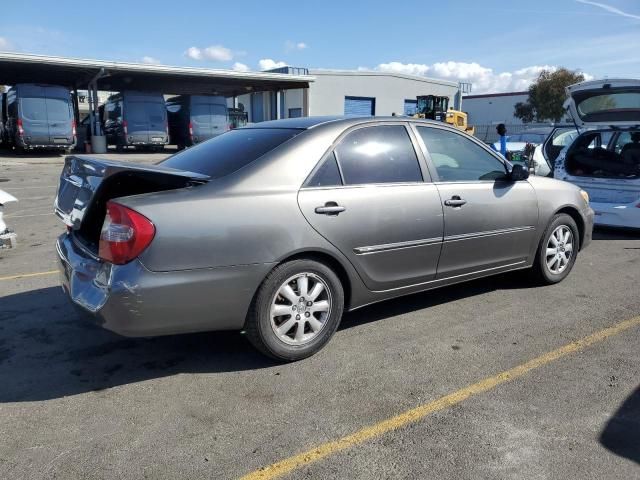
382,154
459,159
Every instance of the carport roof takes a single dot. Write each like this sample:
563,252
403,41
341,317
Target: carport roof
73,72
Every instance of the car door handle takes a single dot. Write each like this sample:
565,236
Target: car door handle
455,201
330,208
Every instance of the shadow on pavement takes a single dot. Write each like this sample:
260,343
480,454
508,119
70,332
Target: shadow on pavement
418,301
622,434
604,233
48,351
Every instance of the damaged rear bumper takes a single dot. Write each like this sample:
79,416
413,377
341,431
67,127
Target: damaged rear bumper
133,301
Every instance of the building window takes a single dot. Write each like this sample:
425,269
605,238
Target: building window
295,112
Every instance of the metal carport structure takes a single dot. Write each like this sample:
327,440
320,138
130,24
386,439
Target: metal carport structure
95,75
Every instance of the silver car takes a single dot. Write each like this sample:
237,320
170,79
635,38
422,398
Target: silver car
279,228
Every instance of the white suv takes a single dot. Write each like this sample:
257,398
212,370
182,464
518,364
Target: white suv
604,160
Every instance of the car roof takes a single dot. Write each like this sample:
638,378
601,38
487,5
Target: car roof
311,122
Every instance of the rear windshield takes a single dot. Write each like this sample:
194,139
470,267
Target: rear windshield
43,109
208,113
145,112
230,151
617,106
58,109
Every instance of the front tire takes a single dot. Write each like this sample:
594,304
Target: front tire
558,250
296,310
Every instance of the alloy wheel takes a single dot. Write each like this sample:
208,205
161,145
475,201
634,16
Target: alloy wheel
559,249
300,308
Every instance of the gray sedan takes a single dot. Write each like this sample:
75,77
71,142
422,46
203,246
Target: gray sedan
279,228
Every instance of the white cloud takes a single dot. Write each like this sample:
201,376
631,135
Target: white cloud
290,46
610,9
484,79
214,52
5,44
194,53
268,64
406,68
150,60
240,67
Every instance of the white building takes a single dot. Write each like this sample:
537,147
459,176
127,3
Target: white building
347,92
493,108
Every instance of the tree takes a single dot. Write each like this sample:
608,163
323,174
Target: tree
547,95
525,112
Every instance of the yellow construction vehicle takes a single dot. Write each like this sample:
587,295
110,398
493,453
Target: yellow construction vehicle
435,107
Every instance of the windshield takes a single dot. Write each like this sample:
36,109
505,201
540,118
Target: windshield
229,152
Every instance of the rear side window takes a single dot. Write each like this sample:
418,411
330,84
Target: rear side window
230,151
382,154
328,175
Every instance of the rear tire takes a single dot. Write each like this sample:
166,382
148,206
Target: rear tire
296,310
557,251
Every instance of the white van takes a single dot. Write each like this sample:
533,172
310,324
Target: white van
604,160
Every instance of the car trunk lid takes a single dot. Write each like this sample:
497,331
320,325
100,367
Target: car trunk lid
605,103
87,184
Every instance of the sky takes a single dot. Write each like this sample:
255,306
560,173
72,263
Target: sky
498,46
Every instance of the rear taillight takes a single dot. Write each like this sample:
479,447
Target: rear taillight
73,127
125,234
124,128
191,129
20,128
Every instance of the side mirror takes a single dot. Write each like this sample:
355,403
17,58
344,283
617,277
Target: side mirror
518,172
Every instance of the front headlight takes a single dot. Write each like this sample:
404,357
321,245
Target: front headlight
585,196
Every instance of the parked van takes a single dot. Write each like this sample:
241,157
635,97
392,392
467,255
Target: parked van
604,160
136,119
39,117
196,118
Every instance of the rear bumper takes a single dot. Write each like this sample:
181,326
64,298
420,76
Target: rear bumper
612,215
133,301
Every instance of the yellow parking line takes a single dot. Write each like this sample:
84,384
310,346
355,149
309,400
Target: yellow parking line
418,413
26,275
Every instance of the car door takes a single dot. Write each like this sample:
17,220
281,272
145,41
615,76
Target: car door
489,220
59,117
373,200
33,113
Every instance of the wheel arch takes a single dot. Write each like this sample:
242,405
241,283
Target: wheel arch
332,262
575,214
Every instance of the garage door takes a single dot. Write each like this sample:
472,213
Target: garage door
359,106
410,107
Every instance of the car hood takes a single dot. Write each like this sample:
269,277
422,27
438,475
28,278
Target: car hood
604,102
